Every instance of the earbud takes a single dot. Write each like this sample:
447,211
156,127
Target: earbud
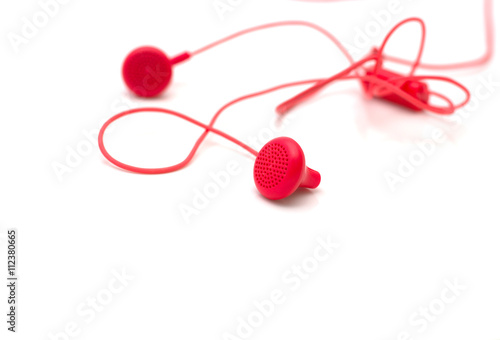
147,71
280,168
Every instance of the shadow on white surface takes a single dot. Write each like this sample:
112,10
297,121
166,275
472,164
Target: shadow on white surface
301,198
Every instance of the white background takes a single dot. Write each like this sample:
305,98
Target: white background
193,281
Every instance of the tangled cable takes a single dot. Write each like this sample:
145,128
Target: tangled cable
407,90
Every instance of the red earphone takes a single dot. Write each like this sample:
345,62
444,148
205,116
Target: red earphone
280,166
147,70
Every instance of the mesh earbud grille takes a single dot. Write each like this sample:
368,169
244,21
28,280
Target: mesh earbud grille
271,165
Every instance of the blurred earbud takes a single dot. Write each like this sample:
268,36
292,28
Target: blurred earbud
147,71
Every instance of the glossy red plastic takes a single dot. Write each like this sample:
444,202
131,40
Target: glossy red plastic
280,168
147,71
417,89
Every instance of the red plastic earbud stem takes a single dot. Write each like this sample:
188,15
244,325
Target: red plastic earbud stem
180,58
311,180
